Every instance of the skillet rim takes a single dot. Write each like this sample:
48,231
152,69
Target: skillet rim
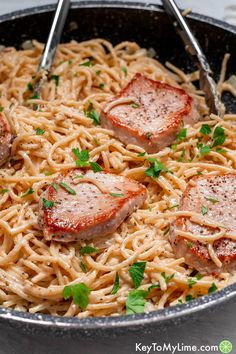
157,317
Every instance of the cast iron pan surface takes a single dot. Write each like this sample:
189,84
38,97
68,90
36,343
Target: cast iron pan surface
149,27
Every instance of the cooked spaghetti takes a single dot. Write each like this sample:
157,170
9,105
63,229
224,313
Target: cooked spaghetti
34,272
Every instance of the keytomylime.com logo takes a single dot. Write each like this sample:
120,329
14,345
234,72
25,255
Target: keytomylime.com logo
225,346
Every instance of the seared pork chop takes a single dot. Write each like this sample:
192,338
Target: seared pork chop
148,113
80,205
215,197
5,140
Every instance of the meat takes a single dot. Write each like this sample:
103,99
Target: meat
215,197
95,206
5,140
148,113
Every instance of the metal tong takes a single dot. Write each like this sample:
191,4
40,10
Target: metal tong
53,40
207,84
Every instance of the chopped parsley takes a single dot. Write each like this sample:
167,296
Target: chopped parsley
54,186
205,150
135,105
182,135
180,301
68,188
124,69
39,131
220,150
4,190
30,86
82,157
136,272
56,78
198,276
101,86
148,135
47,203
98,72
92,114
117,194
167,278
83,267
212,200
191,282
136,301
95,167
141,154
212,288
48,173
205,129
166,231
1,109
116,285
204,210
79,292
189,297
154,286
174,147
218,136
156,168
189,244
87,63
88,250
34,97
29,191
173,206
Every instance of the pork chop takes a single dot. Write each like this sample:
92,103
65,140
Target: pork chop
148,113
80,205
215,197
5,139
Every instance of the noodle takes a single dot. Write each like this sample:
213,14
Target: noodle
33,271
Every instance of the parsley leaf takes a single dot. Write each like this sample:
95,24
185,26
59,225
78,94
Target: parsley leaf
29,191
47,203
117,194
204,210
39,131
92,114
205,129
88,250
182,135
116,285
95,167
173,207
212,288
34,97
4,190
191,282
156,168
135,105
198,276
167,278
101,86
79,293
87,63
30,86
136,302
212,200
148,135
82,157
68,188
83,267
189,244
154,286
141,154
1,109
166,231
98,72
205,150
218,136
189,297
56,78
124,69
136,272
54,186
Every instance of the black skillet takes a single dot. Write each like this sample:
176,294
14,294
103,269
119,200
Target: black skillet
206,320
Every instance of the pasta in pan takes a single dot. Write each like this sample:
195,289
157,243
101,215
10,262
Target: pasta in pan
34,272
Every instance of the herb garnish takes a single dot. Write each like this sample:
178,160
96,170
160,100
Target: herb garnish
136,272
173,206
189,297
124,69
198,276
218,136
205,129
154,286
212,200
101,86
68,188
212,288
136,302
92,114
82,157
205,150
95,166
204,210
79,293
39,131
34,97
1,109
189,244
98,72
166,231
117,194
148,135
47,203
167,278
83,267
30,86
135,105
29,191
87,63
156,168
191,282
4,190
182,135
88,250
141,154
116,285
56,78
54,186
